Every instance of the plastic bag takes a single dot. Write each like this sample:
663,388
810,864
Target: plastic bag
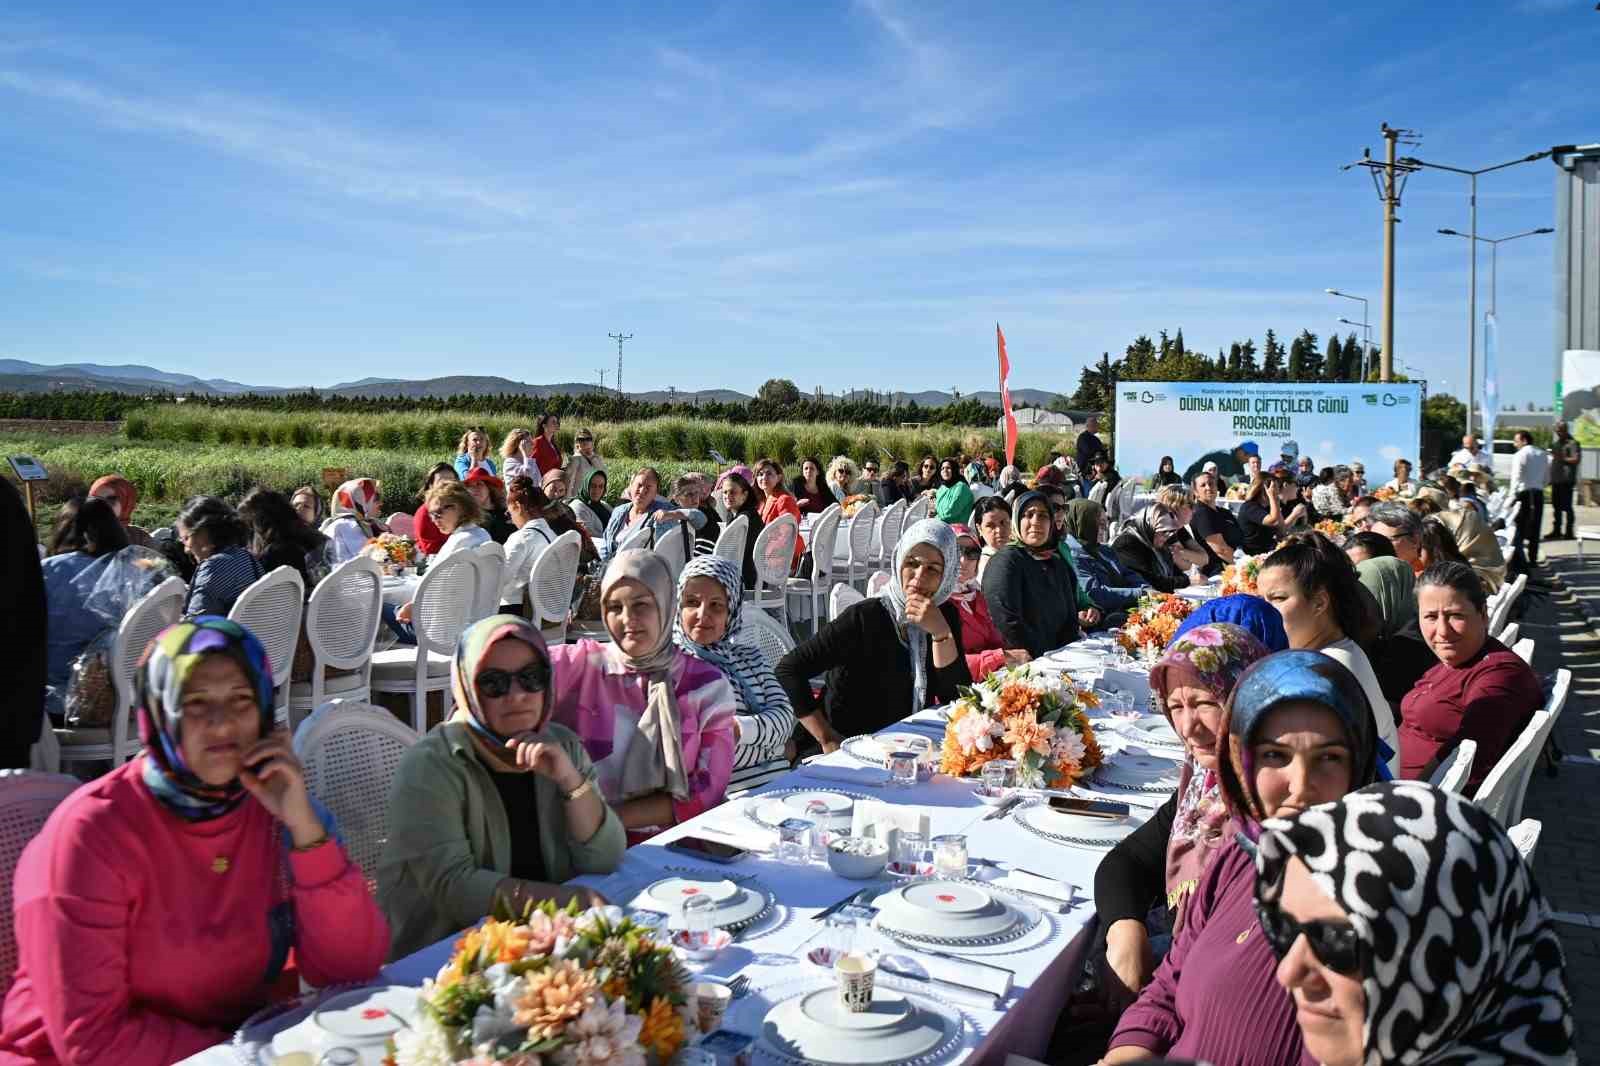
117,581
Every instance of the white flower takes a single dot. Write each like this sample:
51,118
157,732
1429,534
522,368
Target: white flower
496,1020
1067,746
603,1035
426,1043
592,917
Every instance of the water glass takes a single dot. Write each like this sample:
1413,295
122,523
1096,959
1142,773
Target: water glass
950,855
697,916
794,841
909,848
903,769
997,774
839,934
821,835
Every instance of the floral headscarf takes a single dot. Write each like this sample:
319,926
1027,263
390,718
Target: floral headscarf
158,703
356,499
127,496
474,644
1212,657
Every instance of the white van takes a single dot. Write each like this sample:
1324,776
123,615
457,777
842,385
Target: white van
1503,451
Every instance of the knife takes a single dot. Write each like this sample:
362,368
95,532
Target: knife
817,917
1002,810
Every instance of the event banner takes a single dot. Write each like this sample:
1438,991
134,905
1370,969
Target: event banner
1226,422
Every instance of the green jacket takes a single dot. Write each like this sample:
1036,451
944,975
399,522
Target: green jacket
449,840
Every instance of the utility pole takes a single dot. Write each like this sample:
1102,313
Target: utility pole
602,372
1389,178
619,338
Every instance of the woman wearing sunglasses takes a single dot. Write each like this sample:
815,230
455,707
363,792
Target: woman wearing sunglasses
497,804
1298,731
985,651
1409,929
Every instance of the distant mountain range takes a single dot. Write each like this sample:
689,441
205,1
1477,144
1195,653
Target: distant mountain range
18,375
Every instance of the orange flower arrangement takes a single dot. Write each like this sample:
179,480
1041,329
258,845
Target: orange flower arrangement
1153,622
1241,577
1038,719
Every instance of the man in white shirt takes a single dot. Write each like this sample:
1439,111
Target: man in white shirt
1530,472
1469,452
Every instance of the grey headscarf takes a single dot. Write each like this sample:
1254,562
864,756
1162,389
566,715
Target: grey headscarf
940,536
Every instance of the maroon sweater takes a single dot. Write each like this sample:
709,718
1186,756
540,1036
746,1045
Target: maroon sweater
1488,699
1215,997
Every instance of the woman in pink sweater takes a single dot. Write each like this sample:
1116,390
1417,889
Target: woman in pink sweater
980,639
165,902
657,722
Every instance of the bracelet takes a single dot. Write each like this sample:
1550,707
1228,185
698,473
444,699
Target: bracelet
314,845
941,640
581,791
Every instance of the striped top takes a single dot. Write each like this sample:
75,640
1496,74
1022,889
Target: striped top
219,580
763,729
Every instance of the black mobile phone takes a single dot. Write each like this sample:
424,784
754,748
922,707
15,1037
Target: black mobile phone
701,848
1090,808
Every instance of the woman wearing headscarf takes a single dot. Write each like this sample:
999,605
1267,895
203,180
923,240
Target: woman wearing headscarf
952,502
1164,858
890,655
497,804
1011,484
1296,732
707,626
1241,609
159,904
352,518
1473,538
1410,930
1399,656
1166,474
594,495
657,722
1033,595
584,464
1112,586
123,497
1146,547
980,640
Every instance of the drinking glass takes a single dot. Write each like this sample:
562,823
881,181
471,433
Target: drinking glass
950,855
821,835
997,774
697,914
794,841
903,769
909,848
839,934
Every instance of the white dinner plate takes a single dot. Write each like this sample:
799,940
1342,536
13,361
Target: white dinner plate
363,1019
1139,773
1155,729
771,808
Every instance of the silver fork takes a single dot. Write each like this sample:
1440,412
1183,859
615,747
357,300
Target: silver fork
739,986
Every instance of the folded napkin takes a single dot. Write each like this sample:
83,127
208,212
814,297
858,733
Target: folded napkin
859,776
992,982
881,820
1035,885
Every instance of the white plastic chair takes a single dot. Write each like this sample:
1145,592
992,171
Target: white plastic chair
731,541
350,752
761,630
841,598
550,586
876,582
159,608
1452,773
1503,790
811,592
861,562
441,609
1525,835
773,555
1524,649
26,800
1508,599
401,524
890,525
917,510
674,545
342,619
585,514
489,562
1508,636
271,608
637,537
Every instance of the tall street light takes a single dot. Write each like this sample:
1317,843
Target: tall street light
1366,330
1472,283
1494,244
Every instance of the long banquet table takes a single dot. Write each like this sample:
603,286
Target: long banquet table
1046,962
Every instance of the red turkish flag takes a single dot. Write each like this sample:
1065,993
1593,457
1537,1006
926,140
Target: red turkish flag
1005,397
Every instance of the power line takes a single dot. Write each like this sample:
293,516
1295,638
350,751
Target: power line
619,338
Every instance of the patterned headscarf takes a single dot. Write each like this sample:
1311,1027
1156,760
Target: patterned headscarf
158,703
357,499
1212,657
741,663
122,488
657,764
941,537
474,644
1245,611
1461,963
1291,677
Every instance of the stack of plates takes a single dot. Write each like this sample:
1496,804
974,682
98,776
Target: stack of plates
876,749
899,1027
363,1020
1155,730
955,912
1139,773
736,905
1043,820
771,808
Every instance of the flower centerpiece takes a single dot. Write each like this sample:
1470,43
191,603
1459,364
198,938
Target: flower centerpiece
1241,577
1385,494
557,986
392,551
1038,718
853,503
1331,527
1153,622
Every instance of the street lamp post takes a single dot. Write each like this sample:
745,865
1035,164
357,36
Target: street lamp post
1366,330
1472,282
1494,244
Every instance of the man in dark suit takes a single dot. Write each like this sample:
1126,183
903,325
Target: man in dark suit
1090,446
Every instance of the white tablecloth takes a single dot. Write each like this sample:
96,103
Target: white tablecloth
1046,962
398,591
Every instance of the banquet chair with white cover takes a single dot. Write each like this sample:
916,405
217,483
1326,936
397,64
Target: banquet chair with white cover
441,609
860,564
811,592
585,515
1452,773
842,597
350,752
26,800
489,560
730,542
1524,649
160,607
773,556
342,619
401,524
1508,636
761,630
271,608
550,586
1525,835
876,582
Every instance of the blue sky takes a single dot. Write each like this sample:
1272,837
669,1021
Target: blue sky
846,194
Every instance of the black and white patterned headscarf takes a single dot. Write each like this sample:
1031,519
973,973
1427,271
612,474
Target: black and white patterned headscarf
1461,963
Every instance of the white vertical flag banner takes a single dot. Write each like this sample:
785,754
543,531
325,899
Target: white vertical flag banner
1491,380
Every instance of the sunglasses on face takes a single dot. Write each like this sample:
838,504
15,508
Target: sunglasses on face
1335,944
971,552
440,512
533,678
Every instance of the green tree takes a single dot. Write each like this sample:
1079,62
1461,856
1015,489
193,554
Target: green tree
1248,369
1333,367
1272,359
778,391
1235,353
1177,342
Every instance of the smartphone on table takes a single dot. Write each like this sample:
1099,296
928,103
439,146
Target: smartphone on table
1090,808
712,850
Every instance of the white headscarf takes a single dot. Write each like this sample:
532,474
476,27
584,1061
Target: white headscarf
933,532
654,762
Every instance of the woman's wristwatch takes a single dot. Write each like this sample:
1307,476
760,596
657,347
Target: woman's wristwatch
583,789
